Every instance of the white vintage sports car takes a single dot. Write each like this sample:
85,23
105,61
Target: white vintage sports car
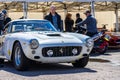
28,40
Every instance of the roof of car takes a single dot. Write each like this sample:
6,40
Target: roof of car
27,20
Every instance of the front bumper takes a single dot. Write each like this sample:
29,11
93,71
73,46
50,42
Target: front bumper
57,58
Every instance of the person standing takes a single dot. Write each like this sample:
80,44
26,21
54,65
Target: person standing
69,23
78,19
1,29
54,18
91,24
6,18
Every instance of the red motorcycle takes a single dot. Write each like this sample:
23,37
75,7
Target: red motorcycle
100,40
101,44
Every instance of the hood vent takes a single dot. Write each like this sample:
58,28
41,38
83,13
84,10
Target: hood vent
53,35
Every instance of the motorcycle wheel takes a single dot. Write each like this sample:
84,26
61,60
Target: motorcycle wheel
103,51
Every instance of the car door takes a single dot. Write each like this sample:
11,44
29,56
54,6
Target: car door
6,40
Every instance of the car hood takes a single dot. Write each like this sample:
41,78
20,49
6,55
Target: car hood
53,37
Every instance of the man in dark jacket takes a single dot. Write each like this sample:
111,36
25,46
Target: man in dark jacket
91,24
78,19
6,18
54,18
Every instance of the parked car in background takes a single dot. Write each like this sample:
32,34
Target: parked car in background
28,40
100,39
115,39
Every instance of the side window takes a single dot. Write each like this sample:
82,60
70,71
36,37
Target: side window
9,29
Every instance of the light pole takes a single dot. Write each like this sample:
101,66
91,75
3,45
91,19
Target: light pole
93,8
25,9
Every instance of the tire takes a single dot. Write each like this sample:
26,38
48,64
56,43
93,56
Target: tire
20,61
81,63
1,63
103,51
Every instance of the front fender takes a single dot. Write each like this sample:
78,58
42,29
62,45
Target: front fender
79,36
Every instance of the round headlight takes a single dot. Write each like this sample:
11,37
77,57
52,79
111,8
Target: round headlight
50,53
74,51
34,44
89,42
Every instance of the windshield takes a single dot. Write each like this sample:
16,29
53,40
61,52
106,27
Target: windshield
32,25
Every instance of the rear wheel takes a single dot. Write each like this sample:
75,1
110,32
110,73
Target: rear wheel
103,51
20,61
81,63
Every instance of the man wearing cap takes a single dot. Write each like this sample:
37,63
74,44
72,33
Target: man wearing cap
91,24
54,18
6,18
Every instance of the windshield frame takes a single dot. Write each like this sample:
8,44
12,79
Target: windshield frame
44,25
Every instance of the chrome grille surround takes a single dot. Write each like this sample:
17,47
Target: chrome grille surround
61,51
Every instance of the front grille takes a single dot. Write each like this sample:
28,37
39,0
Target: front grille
61,51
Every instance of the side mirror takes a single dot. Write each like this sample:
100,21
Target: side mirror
4,32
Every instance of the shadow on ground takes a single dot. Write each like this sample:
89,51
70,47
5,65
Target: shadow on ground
108,53
46,69
98,60
115,49
98,54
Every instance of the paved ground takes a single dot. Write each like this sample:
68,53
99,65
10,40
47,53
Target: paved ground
100,67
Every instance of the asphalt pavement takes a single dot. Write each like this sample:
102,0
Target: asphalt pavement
100,67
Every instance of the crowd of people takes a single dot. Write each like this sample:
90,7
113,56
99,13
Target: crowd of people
55,19
90,21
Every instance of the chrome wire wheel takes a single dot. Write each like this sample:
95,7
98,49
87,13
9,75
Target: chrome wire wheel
18,56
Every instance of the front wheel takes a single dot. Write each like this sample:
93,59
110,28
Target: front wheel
1,62
20,61
81,63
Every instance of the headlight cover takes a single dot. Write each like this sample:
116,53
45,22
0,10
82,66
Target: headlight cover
50,53
75,51
89,42
34,44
